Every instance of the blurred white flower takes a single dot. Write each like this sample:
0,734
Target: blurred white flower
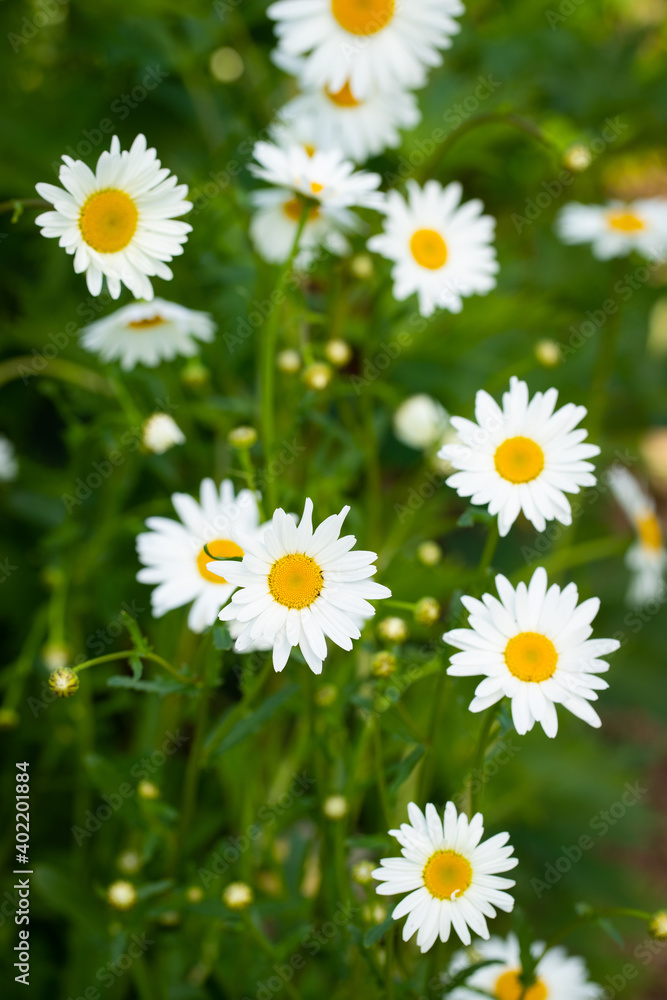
617,228
9,467
647,558
420,422
161,432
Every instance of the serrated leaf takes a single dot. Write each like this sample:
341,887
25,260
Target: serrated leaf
137,667
253,722
376,933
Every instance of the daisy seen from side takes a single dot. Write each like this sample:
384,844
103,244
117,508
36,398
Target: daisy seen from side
450,874
647,558
532,645
618,228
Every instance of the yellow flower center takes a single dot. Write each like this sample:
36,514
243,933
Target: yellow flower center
530,656
295,580
510,987
519,460
108,220
429,249
344,98
363,17
145,324
294,208
447,874
221,548
315,187
625,221
310,149
649,531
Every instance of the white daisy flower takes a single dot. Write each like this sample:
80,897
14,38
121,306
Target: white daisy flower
160,433
450,877
533,646
524,456
558,976
373,43
358,127
119,221
442,250
147,333
300,586
616,229
647,558
323,175
9,467
174,557
420,422
274,226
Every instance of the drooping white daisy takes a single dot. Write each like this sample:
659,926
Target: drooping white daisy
524,456
119,221
647,558
300,587
420,422
558,976
533,646
616,229
147,333
173,555
323,175
358,127
9,467
160,433
442,250
373,43
451,878
274,226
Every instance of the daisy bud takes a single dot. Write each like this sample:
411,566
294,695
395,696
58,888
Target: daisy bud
393,629
289,361
269,883
55,655
226,65
326,695
129,862
374,914
237,896
122,895
362,872
338,352
194,894
429,553
318,376
242,437
335,807
195,374
427,611
383,664
420,422
160,433
548,353
170,918
653,449
64,682
657,926
361,266
147,790
9,718
577,157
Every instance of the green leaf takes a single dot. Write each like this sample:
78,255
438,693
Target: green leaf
609,929
405,768
474,515
137,667
255,720
462,977
378,932
159,686
221,637
154,888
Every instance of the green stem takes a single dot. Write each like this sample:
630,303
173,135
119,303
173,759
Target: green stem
249,469
248,699
126,654
389,963
379,773
267,948
489,549
612,911
16,205
429,759
401,605
480,754
268,361
24,367
576,555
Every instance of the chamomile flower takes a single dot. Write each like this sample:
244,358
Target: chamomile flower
8,465
119,221
647,558
147,333
373,43
442,250
532,646
523,456
616,229
275,223
420,422
451,877
558,976
299,587
323,175
358,127
173,555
